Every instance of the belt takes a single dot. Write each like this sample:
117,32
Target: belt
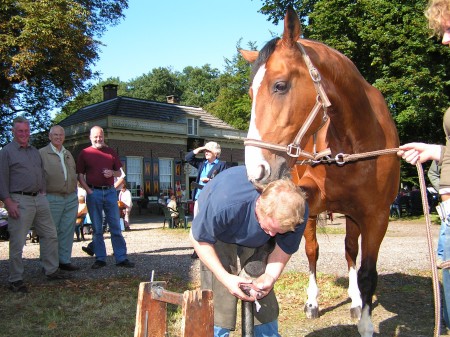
31,194
100,187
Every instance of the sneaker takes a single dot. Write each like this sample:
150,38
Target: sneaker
68,267
57,275
98,264
18,287
88,250
125,263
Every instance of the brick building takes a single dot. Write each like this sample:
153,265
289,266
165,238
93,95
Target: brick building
152,139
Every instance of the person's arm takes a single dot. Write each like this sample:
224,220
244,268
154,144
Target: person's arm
420,152
83,183
276,262
207,254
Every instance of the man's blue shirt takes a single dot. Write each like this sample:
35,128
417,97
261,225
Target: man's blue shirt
227,213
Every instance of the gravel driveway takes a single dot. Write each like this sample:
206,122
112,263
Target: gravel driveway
403,250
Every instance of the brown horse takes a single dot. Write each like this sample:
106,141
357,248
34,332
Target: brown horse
310,102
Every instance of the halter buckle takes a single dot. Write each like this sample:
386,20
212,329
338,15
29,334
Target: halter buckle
293,150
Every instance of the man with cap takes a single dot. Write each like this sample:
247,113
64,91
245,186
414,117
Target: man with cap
207,169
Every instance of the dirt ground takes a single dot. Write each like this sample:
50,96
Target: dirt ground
403,305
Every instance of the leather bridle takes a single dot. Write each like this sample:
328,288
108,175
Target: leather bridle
322,102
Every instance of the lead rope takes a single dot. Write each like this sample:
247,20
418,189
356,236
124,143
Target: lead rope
431,252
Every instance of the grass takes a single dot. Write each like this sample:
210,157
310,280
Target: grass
108,307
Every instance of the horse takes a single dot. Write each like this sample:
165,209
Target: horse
311,111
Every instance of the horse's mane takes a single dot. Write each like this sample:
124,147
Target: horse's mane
264,54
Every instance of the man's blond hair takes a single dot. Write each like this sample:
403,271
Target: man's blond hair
283,201
437,12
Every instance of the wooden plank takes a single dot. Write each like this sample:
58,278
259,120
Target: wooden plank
198,314
151,315
160,294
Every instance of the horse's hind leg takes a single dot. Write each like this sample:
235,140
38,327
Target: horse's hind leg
351,253
312,252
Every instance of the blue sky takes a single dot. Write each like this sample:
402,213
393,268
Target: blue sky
180,33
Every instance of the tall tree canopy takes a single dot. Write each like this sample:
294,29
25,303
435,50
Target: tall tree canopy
47,49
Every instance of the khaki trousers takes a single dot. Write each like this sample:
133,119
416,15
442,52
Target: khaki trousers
33,211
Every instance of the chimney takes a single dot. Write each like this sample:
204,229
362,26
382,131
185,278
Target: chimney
173,99
109,91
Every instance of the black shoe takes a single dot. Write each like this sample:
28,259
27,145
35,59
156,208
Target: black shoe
98,264
57,275
68,267
88,250
194,255
125,263
18,287
127,229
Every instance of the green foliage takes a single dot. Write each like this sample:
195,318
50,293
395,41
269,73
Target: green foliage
47,49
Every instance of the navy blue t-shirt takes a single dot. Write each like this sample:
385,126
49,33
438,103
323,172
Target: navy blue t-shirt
227,213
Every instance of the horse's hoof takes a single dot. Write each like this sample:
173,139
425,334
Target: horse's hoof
355,313
310,311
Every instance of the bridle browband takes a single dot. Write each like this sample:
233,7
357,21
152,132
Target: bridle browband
322,102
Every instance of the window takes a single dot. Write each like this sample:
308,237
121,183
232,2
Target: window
134,176
192,125
166,176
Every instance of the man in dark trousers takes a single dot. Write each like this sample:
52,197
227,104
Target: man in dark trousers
233,220
207,169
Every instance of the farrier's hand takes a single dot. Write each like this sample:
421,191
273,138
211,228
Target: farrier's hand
262,286
233,284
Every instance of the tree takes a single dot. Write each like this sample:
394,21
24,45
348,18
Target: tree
156,85
233,105
389,43
199,85
47,49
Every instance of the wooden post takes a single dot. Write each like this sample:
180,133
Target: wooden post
151,315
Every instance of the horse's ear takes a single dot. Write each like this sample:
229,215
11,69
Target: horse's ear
292,27
249,55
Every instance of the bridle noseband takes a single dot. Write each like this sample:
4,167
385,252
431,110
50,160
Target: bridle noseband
322,102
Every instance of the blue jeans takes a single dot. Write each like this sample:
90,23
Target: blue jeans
446,278
441,242
97,202
264,330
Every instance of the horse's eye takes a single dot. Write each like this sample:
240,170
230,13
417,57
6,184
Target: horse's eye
280,87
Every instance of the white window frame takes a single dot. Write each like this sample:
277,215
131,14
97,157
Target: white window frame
166,177
192,126
134,176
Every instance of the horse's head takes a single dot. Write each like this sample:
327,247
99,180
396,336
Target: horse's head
283,95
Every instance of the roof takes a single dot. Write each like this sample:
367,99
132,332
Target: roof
144,109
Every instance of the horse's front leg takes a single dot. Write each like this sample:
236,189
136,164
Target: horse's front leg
312,252
372,234
351,252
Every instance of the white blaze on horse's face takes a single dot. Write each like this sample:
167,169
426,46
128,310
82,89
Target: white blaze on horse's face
257,166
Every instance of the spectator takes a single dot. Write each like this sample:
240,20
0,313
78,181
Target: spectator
97,166
438,15
118,181
173,209
207,169
233,219
125,198
22,189
61,182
